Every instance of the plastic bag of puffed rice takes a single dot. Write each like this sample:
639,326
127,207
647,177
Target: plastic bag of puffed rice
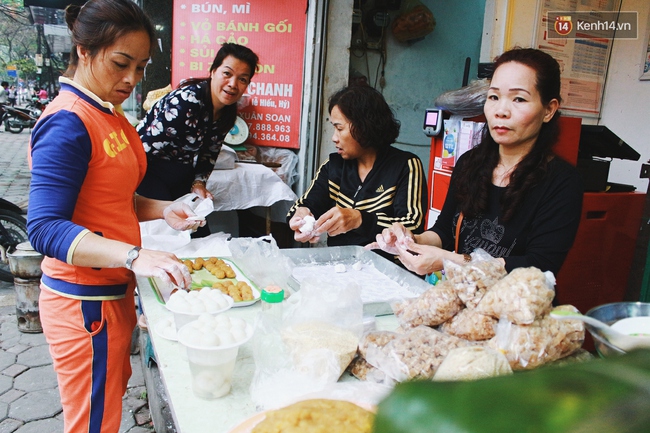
472,280
545,340
471,325
433,307
414,354
520,297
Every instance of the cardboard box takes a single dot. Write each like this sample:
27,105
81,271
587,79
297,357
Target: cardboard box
450,142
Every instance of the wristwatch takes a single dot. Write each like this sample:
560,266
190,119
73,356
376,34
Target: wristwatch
131,256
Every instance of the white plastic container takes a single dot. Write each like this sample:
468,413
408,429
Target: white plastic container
211,365
184,314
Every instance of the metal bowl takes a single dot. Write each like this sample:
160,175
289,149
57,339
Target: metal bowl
611,313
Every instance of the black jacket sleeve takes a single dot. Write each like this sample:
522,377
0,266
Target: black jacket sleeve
317,197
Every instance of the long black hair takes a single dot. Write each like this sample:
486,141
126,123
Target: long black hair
473,182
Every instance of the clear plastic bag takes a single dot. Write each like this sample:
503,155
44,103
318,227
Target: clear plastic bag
202,207
261,260
310,347
471,363
435,306
364,371
286,158
545,340
361,368
467,101
377,339
472,280
283,162
470,325
158,235
250,153
415,354
520,297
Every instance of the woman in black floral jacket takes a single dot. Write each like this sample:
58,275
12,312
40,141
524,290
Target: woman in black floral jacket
183,132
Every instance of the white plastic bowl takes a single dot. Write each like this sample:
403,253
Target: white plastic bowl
211,367
182,318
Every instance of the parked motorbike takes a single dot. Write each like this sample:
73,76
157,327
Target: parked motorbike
31,110
17,119
13,230
37,105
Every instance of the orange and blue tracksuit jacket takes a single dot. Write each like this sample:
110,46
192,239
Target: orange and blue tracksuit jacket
87,161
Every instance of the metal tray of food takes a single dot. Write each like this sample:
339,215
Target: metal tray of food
363,267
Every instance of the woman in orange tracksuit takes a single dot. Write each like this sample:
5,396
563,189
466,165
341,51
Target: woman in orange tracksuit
87,161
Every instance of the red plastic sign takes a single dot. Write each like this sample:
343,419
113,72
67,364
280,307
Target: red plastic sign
275,31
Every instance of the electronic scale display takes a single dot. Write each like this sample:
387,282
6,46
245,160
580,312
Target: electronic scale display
432,122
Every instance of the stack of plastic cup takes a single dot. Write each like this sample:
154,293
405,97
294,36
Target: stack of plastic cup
212,344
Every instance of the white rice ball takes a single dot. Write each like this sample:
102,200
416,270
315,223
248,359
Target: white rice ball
238,334
178,304
205,291
237,323
308,225
205,319
211,383
179,294
211,305
223,322
209,338
198,308
226,338
196,326
219,298
193,338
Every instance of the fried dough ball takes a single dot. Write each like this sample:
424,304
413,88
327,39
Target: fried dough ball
219,273
189,265
234,293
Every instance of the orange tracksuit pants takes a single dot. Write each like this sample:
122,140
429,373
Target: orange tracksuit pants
90,345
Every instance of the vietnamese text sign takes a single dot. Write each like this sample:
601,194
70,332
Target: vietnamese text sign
579,35
275,31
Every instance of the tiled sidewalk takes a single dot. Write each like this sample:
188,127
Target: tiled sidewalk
14,169
29,396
